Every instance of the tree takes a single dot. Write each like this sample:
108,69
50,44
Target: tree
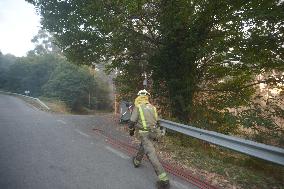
44,44
30,73
53,76
196,53
70,84
5,62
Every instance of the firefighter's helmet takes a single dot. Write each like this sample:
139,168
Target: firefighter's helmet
143,93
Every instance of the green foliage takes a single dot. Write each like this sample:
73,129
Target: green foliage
70,84
129,82
198,55
101,92
5,62
51,75
30,73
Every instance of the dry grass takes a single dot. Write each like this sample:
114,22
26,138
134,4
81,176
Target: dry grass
221,167
56,105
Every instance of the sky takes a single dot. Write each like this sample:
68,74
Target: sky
19,23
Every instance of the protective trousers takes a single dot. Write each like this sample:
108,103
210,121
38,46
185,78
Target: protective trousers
147,147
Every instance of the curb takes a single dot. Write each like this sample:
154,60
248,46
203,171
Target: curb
35,99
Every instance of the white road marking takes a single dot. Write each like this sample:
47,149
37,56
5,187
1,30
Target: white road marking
120,154
81,133
179,185
61,121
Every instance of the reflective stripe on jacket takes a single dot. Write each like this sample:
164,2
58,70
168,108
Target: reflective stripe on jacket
145,115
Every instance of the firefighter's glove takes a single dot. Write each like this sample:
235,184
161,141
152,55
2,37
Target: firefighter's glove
131,131
131,128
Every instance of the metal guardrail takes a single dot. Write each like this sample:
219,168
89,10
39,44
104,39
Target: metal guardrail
259,150
36,99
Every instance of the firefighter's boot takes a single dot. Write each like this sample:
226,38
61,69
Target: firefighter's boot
136,163
163,184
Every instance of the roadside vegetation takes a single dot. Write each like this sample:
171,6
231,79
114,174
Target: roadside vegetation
49,75
56,106
221,167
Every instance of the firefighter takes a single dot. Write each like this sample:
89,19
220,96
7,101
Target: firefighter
144,119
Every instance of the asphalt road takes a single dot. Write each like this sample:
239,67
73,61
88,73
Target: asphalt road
40,150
